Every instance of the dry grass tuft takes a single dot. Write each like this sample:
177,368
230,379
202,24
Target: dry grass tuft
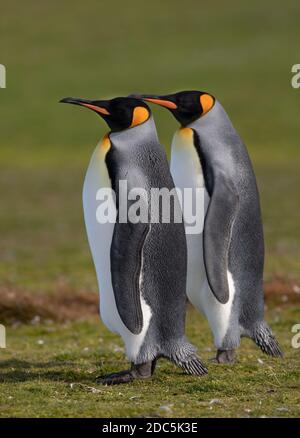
68,304
65,304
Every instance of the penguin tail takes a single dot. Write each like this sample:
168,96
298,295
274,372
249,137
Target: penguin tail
266,341
184,355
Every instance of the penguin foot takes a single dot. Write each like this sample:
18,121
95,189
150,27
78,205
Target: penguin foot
116,378
139,371
225,356
264,338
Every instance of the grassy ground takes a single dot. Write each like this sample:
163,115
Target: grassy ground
242,53
50,370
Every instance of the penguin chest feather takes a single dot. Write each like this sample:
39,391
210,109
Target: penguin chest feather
100,237
187,172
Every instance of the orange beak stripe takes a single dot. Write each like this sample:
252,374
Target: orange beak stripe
165,103
97,108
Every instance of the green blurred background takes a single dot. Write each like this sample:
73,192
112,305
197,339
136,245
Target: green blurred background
242,52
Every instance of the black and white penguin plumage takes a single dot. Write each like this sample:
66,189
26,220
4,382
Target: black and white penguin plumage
141,267
225,261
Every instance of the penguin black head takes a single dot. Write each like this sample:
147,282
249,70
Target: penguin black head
119,113
186,106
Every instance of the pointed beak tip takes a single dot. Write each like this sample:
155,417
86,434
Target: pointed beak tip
66,100
160,100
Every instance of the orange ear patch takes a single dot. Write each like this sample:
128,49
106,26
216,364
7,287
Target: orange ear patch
140,115
96,108
207,102
165,103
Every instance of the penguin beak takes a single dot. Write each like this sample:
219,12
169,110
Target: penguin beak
159,100
95,105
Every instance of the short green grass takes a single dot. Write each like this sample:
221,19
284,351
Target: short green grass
50,370
240,51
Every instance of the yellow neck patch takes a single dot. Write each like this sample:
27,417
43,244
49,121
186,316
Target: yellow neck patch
184,139
105,144
207,102
186,132
140,115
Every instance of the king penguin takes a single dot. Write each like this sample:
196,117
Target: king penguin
141,266
225,260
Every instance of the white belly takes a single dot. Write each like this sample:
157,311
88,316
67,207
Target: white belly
100,238
187,173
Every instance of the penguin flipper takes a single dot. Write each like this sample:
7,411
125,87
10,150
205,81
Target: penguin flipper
217,233
126,260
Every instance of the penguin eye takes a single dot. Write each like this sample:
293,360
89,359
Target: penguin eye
139,116
207,102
